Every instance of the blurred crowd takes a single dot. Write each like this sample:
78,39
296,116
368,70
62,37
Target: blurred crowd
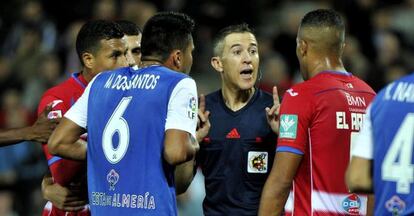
37,51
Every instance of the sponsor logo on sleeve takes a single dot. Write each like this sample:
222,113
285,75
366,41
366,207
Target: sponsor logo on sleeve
257,162
292,93
352,204
288,126
112,179
192,108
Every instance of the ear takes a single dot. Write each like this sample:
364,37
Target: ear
88,60
342,48
303,47
216,63
177,59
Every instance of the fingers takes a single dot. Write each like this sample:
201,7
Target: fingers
202,103
271,111
275,96
47,109
207,121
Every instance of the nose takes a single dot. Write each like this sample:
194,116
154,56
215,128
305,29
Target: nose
130,59
246,57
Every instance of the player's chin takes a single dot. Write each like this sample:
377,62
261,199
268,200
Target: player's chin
246,85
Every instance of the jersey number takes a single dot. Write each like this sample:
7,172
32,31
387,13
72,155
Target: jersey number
116,124
397,165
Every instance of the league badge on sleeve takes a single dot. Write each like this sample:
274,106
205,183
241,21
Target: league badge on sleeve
54,114
257,162
288,126
352,204
192,108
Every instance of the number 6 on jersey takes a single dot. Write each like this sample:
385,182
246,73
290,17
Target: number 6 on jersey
116,124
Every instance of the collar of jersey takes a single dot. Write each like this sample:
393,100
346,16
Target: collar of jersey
79,79
343,73
235,113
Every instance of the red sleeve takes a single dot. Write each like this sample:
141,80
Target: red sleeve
58,109
295,119
63,171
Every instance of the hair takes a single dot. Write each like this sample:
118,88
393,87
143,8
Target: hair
129,28
326,28
165,32
218,40
92,32
323,18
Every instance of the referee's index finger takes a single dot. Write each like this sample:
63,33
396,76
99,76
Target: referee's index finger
202,103
275,96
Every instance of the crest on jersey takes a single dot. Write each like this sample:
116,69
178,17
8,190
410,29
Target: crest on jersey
257,162
112,178
192,108
395,205
288,126
352,204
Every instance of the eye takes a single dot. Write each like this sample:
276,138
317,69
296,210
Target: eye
136,51
237,52
253,51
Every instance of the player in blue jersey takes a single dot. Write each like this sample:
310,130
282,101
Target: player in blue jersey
238,151
382,157
141,123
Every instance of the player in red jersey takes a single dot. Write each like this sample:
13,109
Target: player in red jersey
100,47
318,120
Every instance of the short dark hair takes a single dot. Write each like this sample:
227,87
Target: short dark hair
323,18
128,27
165,32
92,33
218,39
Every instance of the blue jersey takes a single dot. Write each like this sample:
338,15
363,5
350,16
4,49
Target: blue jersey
237,155
127,111
392,120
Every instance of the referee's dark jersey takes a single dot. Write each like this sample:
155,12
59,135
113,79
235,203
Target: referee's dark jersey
237,155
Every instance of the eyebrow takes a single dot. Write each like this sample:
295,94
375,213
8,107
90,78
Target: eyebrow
116,53
236,45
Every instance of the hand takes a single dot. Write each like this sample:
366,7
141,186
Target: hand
41,130
272,114
61,197
203,123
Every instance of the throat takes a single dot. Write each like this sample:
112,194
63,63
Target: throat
238,99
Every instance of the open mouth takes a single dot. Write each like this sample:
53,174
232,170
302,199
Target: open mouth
246,73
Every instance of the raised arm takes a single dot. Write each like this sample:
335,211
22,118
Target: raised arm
39,131
65,141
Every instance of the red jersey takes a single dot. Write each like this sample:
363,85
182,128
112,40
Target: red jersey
319,119
64,172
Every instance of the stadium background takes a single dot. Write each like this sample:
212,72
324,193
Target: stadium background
37,52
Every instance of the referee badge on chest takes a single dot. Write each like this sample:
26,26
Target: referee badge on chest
257,162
